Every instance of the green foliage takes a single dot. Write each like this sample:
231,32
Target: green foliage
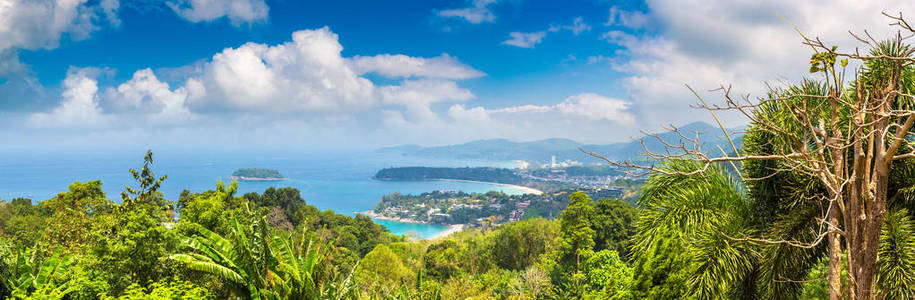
170,290
73,214
613,223
662,270
241,260
22,221
606,276
381,269
211,209
896,261
519,245
484,174
129,244
30,275
576,236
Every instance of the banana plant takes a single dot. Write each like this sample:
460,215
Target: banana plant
27,273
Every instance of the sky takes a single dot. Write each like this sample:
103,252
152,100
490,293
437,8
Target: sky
364,74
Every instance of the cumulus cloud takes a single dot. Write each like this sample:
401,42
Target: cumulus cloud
79,108
144,93
306,74
32,25
525,39
26,24
728,42
304,78
399,65
237,11
478,12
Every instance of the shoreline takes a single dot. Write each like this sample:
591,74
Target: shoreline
523,189
452,229
373,215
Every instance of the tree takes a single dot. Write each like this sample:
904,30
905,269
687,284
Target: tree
849,139
381,268
661,271
211,209
606,276
72,214
575,233
518,245
130,244
613,225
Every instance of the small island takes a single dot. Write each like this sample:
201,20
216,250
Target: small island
256,174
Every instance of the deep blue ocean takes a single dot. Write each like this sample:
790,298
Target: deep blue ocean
337,180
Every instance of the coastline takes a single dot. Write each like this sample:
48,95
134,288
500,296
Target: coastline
373,215
452,229
523,189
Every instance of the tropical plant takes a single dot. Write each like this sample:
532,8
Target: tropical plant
242,260
300,268
28,274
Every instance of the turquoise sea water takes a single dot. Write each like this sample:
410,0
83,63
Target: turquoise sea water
340,181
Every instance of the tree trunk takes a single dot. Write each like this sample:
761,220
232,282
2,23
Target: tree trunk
835,256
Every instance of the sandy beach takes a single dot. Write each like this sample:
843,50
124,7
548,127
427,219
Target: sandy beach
452,229
373,215
523,189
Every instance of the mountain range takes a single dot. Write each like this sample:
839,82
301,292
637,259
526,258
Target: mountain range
542,151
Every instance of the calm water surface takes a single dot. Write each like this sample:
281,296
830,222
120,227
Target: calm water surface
340,181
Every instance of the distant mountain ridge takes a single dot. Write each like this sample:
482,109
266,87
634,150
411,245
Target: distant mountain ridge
565,149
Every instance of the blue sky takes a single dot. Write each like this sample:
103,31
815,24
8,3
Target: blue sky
372,73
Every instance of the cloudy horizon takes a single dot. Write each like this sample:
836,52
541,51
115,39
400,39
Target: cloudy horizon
255,72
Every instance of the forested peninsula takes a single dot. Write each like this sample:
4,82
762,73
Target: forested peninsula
481,174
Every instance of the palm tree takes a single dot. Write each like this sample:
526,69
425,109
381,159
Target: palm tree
760,239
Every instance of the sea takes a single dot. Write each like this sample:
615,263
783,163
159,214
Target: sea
339,180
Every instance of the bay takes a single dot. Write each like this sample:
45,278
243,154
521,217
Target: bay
337,180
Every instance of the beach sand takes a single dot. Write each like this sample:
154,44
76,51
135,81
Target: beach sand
523,189
452,229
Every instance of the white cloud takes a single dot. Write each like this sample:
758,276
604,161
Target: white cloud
238,11
478,12
590,106
80,107
442,66
41,24
26,24
306,74
531,39
577,27
525,39
418,95
144,93
750,44
628,19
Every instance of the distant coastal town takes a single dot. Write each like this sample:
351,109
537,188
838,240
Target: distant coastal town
544,193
